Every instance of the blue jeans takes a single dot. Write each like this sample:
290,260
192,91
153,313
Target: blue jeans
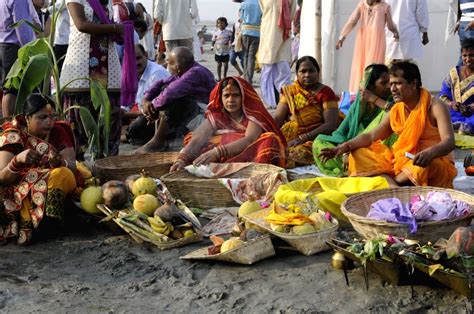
234,55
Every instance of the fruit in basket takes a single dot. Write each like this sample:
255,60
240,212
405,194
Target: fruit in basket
279,228
320,221
188,233
131,180
249,206
176,234
249,234
83,170
144,185
146,204
230,244
303,229
160,226
90,197
167,212
115,194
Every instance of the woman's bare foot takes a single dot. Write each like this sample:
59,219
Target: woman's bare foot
151,147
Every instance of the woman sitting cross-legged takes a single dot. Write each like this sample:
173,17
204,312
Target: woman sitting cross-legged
237,128
37,166
372,103
306,109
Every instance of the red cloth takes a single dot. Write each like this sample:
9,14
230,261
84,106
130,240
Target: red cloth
284,19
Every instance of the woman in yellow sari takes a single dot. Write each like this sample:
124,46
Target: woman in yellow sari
306,109
37,165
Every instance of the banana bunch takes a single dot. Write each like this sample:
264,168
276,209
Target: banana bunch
139,223
89,179
158,225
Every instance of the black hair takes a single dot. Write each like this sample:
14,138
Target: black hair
142,49
377,71
140,24
410,71
222,19
307,58
35,102
143,7
229,81
467,44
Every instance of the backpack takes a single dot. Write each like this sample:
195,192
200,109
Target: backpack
123,10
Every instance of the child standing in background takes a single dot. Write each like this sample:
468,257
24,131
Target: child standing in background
221,44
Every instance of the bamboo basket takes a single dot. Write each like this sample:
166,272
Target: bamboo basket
208,193
248,253
306,244
356,208
120,167
196,237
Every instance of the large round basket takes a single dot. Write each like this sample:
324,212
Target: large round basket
357,207
120,167
209,193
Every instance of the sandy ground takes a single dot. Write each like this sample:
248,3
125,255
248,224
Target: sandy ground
91,269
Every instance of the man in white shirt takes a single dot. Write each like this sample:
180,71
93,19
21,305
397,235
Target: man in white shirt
61,35
176,17
140,131
412,20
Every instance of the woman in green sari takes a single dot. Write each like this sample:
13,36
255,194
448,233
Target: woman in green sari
372,103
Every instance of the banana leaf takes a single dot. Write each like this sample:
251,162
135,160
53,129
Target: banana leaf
33,74
36,47
100,99
35,28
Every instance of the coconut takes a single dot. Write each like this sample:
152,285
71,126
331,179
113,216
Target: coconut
90,197
115,194
131,180
167,212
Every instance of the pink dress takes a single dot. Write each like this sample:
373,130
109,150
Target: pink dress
370,41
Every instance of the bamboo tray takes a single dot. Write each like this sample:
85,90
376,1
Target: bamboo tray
248,253
196,237
306,244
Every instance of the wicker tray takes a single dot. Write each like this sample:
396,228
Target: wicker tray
120,167
250,252
357,207
197,237
307,244
209,193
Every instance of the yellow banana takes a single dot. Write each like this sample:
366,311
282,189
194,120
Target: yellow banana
85,172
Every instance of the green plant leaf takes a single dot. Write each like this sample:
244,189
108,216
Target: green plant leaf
98,94
100,99
24,21
33,75
92,131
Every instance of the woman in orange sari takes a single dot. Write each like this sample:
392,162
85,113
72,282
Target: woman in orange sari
306,109
37,161
237,128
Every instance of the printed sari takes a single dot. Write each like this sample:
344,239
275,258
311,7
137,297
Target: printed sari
40,191
415,133
269,148
306,113
461,91
360,119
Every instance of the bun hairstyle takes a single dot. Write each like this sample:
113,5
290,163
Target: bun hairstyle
35,102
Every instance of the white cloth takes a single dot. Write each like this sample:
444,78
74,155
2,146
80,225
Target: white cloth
61,36
274,76
451,20
153,72
412,19
76,63
176,18
196,42
147,41
272,48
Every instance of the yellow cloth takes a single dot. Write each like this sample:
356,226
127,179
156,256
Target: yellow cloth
328,192
280,216
464,141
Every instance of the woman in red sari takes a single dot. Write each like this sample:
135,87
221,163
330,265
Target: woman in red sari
237,128
37,165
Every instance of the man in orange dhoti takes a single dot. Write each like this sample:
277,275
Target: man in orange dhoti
422,155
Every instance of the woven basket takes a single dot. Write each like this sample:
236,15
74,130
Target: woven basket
357,207
248,253
209,193
306,244
120,167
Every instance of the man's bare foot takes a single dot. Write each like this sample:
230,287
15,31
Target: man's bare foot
151,147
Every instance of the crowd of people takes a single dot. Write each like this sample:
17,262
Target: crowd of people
394,128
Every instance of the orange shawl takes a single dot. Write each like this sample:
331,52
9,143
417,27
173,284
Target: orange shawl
409,128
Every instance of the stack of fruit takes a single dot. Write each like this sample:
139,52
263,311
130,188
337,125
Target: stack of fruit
141,207
239,238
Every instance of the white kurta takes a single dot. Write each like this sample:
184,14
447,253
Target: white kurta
272,48
176,17
412,19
